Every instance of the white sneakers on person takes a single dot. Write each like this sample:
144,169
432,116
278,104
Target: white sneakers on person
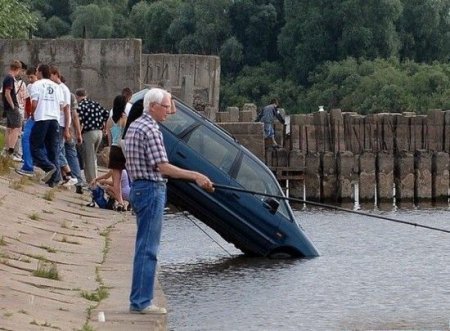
69,182
152,309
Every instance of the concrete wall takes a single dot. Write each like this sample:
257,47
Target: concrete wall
193,78
336,151
102,66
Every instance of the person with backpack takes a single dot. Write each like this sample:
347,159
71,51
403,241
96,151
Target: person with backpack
267,116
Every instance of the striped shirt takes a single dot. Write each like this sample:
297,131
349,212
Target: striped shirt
144,149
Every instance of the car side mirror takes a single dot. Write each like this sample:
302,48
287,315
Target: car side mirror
271,204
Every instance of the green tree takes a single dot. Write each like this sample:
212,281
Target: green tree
256,26
425,30
326,30
231,56
16,20
201,26
92,21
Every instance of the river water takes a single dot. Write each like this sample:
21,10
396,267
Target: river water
372,275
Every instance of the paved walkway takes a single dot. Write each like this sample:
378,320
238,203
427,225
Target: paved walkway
52,231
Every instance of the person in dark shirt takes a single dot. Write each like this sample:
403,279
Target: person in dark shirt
11,108
267,116
92,117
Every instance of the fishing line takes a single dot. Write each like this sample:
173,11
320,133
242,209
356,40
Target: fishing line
318,204
186,214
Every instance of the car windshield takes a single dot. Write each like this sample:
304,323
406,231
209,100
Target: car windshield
255,178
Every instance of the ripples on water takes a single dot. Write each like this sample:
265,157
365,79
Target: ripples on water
372,275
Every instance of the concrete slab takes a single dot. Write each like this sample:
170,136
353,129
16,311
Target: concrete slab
88,247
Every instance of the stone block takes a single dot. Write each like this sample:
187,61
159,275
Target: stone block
447,131
435,124
345,165
367,176
210,113
417,132
370,134
234,113
295,137
402,134
337,139
423,177
296,159
280,157
440,176
329,177
322,132
385,176
223,117
312,176
246,116
404,176
250,107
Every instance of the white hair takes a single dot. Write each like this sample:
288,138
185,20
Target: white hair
154,95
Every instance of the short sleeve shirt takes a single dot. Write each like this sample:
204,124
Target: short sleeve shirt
49,99
92,115
9,84
144,149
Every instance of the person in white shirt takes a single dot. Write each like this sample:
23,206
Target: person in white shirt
47,102
66,143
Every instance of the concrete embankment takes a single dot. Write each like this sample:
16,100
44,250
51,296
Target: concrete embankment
62,263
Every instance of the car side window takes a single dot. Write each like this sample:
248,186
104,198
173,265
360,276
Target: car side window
178,122
213,147
254,178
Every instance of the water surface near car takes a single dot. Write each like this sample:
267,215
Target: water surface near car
372,274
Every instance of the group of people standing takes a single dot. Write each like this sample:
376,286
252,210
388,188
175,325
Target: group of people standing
62,130
59,121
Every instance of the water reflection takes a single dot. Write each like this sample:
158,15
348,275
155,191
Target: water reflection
372,274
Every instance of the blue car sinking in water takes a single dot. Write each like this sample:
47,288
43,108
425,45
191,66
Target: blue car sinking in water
255,224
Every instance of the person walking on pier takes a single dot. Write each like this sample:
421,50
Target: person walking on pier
147,165
267,116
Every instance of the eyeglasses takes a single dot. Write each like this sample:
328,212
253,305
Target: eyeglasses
167,107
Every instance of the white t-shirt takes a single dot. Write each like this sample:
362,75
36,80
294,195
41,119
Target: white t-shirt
49,99
66,95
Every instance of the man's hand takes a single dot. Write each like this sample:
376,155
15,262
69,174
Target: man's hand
204,182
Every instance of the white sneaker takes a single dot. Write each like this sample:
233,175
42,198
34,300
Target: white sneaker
152,309
70,182
16,157
25,173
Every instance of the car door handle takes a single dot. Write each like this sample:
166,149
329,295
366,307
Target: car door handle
181,155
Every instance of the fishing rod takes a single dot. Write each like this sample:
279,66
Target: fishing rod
318,204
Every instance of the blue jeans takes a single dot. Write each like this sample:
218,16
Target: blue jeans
68,155
44,144
26,151
148,200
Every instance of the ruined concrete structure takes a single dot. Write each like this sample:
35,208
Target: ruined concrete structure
105,66
379,152
102,66
193,78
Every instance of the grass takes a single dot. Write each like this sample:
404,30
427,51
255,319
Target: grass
5,165
65,240
34,216
50,194
97,295
46,270
3,241
48,249
16,185
87,327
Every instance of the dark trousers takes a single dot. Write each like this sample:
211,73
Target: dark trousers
44,145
